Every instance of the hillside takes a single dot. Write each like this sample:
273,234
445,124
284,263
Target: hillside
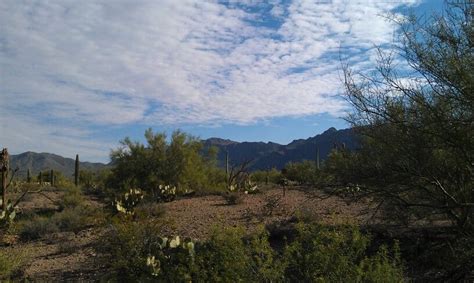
37,162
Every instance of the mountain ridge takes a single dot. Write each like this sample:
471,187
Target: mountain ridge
269,155
263,155
37,162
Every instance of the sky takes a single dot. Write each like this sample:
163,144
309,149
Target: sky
78,76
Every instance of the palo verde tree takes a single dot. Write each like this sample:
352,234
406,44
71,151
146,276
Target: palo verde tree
417,122
180,162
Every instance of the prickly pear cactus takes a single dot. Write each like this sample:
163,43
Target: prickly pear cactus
166,251
8,215
167,193
126,203
250,187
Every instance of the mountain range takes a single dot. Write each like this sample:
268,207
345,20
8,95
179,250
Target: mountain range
262,155
269,155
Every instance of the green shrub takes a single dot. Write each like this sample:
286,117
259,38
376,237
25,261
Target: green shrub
72,219
266,176
77,218
223,258
233,198
149,210
337,254
381,267
135,252
10,263
37,227
230,256
265,266
67,247
95,183
305,172
72,198
127,246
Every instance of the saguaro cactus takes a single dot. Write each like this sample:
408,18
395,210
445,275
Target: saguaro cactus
40,178
4,167
317,157
28,175
76,171
227,164
51,177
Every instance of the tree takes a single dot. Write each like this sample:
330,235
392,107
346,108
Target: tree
181,163
417,123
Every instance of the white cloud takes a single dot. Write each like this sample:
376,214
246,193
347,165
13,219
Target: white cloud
26,134
171,62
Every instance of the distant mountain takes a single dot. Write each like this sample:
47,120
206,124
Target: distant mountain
37,162
269,155
263,155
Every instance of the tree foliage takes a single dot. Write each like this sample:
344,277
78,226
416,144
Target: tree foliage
304,172
180,162
417,123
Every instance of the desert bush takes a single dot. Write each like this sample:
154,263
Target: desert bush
265,263
148,210
233,198
337,254
72,219
67,247
231,256
95,183
136,252
37,227
271,203
126,247
72,198
266,176
77,218
223,258
10,263
87,178
381,267
317,253
305,172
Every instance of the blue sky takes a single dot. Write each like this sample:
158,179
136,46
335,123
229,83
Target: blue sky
78,76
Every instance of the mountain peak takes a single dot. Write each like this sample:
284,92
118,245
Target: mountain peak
219,141
329,131
36,162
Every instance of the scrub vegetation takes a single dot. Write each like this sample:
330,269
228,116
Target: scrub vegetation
398,208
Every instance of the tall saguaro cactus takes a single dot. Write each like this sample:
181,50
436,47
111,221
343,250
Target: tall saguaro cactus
4,167
227,163
28,175
76,171
51,177
317,157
